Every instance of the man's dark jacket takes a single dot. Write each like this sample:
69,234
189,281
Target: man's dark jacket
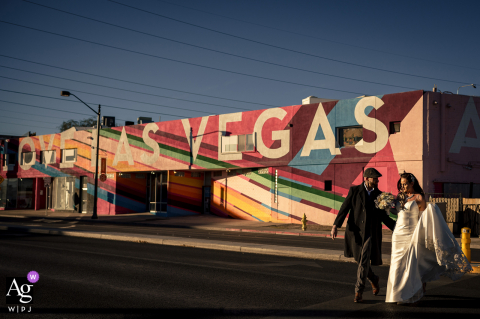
363,221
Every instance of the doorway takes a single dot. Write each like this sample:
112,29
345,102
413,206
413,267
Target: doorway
158,194
64,193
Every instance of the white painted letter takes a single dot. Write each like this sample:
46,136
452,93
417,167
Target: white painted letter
29,141
128,153
149,160
68,134
50,142
460,140
42,146
321,120
283,136
371,124
198,141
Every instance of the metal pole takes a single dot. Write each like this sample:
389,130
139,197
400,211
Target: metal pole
95,197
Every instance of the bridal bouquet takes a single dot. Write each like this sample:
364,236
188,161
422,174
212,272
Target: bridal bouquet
385,201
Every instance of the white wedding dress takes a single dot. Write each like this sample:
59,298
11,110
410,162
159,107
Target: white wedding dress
423,249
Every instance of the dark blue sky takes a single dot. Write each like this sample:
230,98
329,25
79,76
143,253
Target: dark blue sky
326,41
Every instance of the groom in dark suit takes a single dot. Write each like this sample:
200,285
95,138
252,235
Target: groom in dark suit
363,235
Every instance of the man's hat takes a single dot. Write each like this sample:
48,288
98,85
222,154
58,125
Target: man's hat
371,172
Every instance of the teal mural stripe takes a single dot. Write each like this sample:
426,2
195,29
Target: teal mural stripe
299,191
50,171
276,210
116,199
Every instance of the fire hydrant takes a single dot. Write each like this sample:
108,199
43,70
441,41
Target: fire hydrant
466,242
304,222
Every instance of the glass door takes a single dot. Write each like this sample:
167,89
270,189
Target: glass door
158,192
25,193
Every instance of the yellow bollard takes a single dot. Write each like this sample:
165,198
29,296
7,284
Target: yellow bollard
466,242
304,222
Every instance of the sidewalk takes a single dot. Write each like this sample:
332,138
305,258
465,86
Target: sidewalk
203,222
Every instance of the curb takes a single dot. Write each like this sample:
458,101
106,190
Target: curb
386,239
276,232
476,267
286,251
246,230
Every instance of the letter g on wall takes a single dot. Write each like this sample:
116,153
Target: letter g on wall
283,135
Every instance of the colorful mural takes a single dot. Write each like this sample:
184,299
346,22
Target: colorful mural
266,165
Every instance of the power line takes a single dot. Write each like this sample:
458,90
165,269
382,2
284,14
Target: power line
137,83
40,107
221,52
47,108
103,105
282,48
55,117
108,96
16,118
188,63
126,90
318,38
28,124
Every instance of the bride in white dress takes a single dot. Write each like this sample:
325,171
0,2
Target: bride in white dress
423,247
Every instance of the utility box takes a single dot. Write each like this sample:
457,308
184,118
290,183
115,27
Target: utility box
143,120
108,121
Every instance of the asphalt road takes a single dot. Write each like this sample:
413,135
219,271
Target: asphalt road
243,237
90,278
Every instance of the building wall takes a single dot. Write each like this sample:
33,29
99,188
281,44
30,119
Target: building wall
185,193
296,154
452,143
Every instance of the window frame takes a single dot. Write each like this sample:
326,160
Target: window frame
64,161
43,158
236,138
32,161
392,127
340,136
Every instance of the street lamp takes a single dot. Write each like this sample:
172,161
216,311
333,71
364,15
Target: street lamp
473,85
95,197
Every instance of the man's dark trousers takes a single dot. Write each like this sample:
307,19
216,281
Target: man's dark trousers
364,267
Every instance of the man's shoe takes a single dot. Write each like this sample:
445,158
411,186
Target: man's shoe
375,285
358,297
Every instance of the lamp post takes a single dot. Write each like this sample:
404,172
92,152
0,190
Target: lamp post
95,196
472,85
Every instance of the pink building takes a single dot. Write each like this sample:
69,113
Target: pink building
267,165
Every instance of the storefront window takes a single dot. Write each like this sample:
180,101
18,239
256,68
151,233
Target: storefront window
12,187
25,193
